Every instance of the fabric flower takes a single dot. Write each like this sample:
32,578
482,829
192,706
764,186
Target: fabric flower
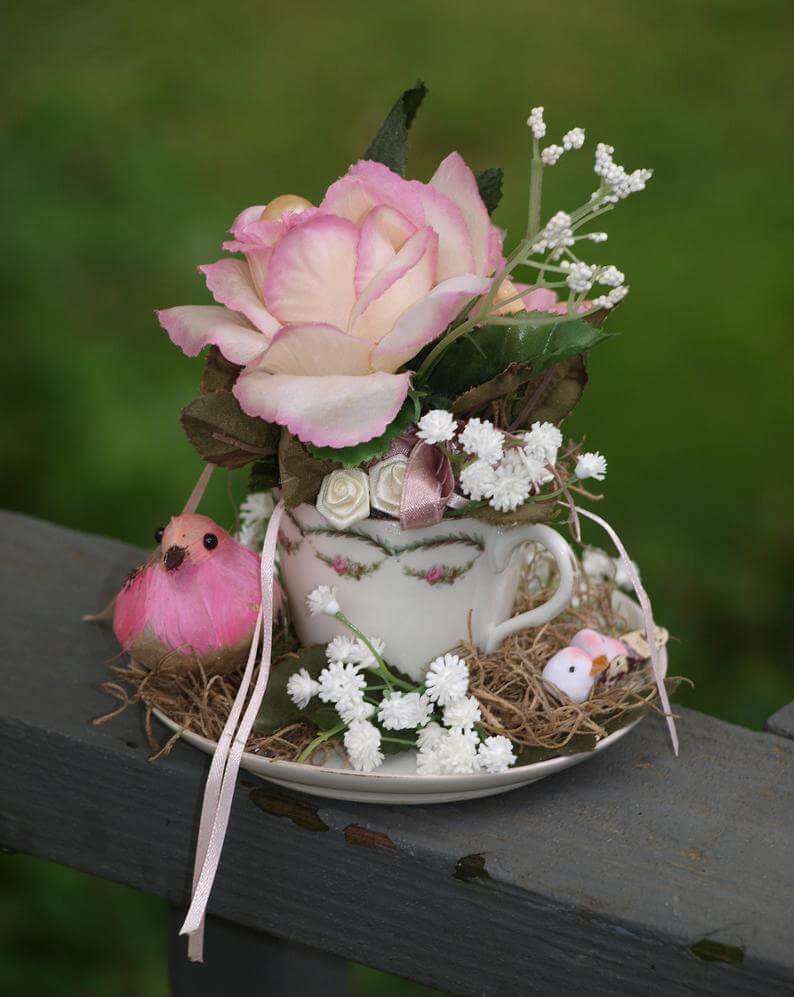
543,441
511,488
456,752
354,707
437,426
301,687
429,734
463,713
591,465
322,600
480,437
386,480
447,679
495,754
403,711
477,480
342,648
339,681
328,303
363,657
362,744
344,497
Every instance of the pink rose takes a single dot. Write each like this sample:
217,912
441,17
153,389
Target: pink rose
340,564
434,575
328,303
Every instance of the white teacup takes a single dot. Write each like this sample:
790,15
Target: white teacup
421,591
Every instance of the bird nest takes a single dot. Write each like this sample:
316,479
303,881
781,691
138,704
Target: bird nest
514,700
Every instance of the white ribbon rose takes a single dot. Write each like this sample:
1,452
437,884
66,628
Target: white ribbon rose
344,498
386,481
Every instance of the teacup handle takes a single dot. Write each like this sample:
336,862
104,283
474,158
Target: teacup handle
562,554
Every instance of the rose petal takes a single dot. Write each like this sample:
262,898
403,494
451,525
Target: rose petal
315,349
231,284
334,411
425,320
455,251
310,277
192,327
405,280
454,178
383,234
367,184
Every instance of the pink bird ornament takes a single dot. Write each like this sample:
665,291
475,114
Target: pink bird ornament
194,602
575,669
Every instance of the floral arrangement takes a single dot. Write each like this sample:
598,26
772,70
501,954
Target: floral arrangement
381,343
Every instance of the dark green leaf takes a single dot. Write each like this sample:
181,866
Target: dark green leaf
263,475
301,474
277,709
501,386
218,374
529,512
363,452
488,351
552,395
223,434
390,145
489,184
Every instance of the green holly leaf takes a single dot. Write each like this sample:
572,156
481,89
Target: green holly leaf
487,352
361,453
552,395
501,386
223,434
300,473
489,184
219,374
263,475
390,145
277,709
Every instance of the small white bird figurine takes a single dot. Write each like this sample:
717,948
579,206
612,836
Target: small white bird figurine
574,670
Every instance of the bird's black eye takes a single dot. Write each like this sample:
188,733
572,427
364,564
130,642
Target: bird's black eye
572,668
210,541
158,534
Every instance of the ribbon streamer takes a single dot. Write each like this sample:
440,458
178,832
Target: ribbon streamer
647,615
222,778
428,486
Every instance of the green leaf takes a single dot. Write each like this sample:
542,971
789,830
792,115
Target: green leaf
219,374
552,395
363,452
488,351
390,145
223,434
489,184
300,473
501,386
263,475
529,512
277,709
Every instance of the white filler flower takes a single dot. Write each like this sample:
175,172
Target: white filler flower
511,488
480,437
477,480
456,752
462,713
543,441
352,708
536,123
591,465
342,648
362,743
437,426
404,711
339,681
447,679
323,600
344,497
301,687
495,754
363,657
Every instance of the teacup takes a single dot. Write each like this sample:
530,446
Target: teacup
421,591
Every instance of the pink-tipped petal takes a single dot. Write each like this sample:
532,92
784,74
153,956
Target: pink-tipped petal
367,184
383,234
426,320
246,217
192,327
406,279
314,350
455,250
454,178
326,411
231,284
310,277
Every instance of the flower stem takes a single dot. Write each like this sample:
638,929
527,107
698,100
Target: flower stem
323,736
399,740
389,679
535,190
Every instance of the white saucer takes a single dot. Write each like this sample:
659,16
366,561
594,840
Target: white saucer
397,781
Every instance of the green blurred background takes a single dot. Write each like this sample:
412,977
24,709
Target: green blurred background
132,133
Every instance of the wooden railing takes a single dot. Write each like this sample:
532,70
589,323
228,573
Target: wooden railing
633,874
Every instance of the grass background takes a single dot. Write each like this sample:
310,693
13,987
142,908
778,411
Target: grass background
131,135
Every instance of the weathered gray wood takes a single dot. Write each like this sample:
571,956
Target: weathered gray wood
239,960
596,881
782,722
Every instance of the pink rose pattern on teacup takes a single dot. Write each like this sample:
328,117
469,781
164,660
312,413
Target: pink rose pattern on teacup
329,303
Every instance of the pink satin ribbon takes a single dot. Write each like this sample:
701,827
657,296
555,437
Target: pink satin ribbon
647,615
222,778
429,484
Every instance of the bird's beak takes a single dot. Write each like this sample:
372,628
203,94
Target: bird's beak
600,664
173,557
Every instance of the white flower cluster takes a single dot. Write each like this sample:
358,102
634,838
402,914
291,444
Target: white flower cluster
620,182
536,123
591,465
557,236
581,277
436,426
255,511
573,139
507,476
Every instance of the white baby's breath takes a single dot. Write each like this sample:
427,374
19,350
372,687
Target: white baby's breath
323,600
580,276
496,754
362,743
437,426
447,679
354,707
456,752
543,441
342,648
481,438
574,139
429,735
403,711
301,688
255,511
610,276
363,657
536,123
339,681
477,480
551,154
616,178
511,489
556,236
611,298
463,713
591,465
